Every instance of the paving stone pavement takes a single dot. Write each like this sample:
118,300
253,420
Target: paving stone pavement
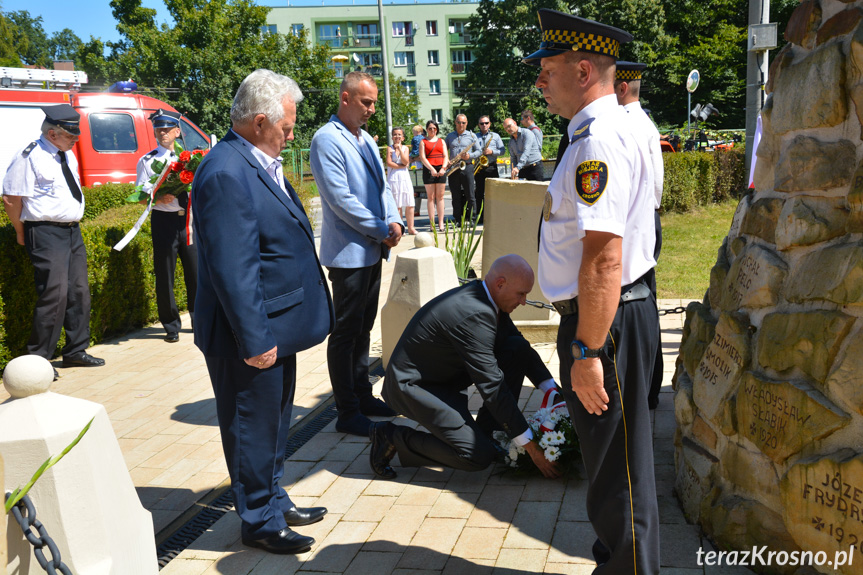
427,521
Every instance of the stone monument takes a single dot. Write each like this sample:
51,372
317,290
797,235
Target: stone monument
769,381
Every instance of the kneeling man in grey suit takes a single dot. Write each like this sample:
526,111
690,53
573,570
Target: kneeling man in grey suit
462,337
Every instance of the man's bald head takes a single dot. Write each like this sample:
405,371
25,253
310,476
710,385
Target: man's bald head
509,280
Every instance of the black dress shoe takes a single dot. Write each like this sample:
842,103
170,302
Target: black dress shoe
82,359
382,451
172,337
299,516
56,375
355,424
285,542
371,405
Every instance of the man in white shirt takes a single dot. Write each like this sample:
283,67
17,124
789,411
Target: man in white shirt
627,87
168,229
596,249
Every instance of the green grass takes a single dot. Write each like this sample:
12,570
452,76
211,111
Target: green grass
690,242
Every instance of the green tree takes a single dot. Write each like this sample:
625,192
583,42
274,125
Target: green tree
30,39
404,110
8,55
64,45
204,57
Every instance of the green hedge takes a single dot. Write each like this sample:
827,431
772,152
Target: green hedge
700,178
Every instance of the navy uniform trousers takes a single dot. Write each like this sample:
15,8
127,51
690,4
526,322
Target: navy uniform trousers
169,240
60,272
656,377
254,411
617,446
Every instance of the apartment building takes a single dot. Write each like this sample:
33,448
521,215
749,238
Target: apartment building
427,45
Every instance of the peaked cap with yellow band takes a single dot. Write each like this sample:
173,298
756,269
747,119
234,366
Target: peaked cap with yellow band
629,71
563,33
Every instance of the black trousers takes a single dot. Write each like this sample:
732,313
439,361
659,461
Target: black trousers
479,180
169,241
254,410
517,360
461,188
532,172
656,377
63,295
355,299
617,446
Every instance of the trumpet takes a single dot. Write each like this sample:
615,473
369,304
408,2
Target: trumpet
454,167
483,162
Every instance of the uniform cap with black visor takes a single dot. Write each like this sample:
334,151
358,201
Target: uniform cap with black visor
562,33
63,116
165,119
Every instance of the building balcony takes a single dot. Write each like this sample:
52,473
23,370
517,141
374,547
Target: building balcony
459,67
333,41
409,40
366,41
463,39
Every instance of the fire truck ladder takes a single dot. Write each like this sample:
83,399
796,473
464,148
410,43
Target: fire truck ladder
32,78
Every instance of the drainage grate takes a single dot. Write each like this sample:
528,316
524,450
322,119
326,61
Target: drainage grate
197,525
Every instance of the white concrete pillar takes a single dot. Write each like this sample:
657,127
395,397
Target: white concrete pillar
87,501
419,275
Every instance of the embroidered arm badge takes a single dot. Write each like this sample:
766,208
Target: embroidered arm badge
591,179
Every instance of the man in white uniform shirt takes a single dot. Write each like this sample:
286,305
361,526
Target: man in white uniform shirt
596,248
42,196
627,87
169,229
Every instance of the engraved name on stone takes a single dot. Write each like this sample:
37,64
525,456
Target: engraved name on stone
723,361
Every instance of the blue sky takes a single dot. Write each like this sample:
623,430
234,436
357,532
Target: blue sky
93,17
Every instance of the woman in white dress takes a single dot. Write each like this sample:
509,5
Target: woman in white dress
398,160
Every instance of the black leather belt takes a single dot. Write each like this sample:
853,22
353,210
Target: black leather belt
635,291
57,224
532,165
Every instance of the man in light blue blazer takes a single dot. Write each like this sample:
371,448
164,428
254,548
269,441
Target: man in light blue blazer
360,224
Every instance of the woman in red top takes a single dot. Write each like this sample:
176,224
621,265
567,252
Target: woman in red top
435,159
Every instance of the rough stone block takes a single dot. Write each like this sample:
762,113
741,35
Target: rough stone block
739,523
780,61
839,24
843,383
693,481
704,434
754,279
723,363
854,223
823,505
803,24
811,164
808,341
760,219
751,473
683,404
698,333
718,273
822,104
781,418
844,283
807,220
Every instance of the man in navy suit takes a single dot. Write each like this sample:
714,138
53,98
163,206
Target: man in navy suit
360,224
262,297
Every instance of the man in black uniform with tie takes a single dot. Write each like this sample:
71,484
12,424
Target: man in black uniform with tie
168,230
44,202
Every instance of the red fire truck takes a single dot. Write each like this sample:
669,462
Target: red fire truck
115,131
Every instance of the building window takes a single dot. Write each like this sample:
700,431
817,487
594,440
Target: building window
402,29
458,87
401,59
437,116
433,58
431,27
410,86
434,87
296,29
269,29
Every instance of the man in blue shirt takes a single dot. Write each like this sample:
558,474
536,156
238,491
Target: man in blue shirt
492,147
524,154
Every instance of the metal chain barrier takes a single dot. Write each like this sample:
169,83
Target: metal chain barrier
24,513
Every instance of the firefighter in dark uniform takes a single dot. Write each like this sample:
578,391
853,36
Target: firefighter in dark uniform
596,249
42,195
168,229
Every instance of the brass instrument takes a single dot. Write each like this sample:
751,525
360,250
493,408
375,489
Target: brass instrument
483,162
455,166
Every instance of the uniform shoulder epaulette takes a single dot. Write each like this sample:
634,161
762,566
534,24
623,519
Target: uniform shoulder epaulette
151,153
29,148
582,131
